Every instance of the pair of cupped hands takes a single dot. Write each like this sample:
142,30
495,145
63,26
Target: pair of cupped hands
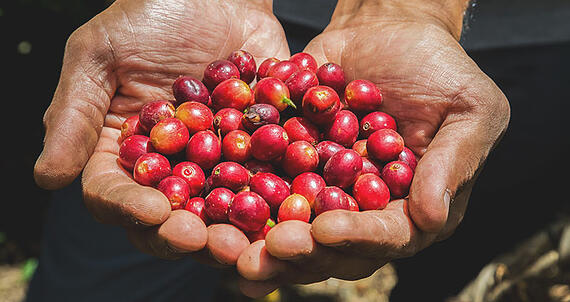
448,111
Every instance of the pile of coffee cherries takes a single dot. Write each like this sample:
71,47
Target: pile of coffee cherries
300,143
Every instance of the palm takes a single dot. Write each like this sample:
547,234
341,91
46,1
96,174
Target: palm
416,69
154,42
150,43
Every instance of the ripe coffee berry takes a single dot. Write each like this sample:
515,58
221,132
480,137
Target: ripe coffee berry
385,145
189,89
169,136
248,211
398,177
219,71
192,174
176,190
236,146
151,168
132,148
269,142
196,116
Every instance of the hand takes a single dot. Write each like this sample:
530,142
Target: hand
126,56
449,113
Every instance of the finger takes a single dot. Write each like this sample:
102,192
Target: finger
293,241
456,212
112,196
257,289
76,114
226,243
451,160
255,263
383,234
180,234
347,268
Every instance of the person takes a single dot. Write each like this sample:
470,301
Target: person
449,112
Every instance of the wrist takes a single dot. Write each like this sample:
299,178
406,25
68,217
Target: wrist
447,14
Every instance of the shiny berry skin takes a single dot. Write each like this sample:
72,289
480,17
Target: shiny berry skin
308,184
176,190
352,204
362,96
236,146
232,93
192,174
205,149
265,66
304,61
217,204
226,120
260,234
230,175
132,148
300,157
301,129
332,75
248,211
131,127
272,91
344,129
385,145
298,84
269,142
219,71
360,147
245,63
331,198
294,207
197,206
153,112
398,177
408,157
282,70
375,121
255,166
343,168
271,187
320,105
368,166
151,168
189,89
169,136
370,192
326,149
196,116
258,115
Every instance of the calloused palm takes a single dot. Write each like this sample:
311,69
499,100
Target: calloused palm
126,56
449,113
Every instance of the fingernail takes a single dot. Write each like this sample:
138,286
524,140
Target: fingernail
447,198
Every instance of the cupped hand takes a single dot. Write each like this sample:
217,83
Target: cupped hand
126,56
449,113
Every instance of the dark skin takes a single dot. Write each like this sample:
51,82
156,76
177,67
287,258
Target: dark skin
448,111
126,56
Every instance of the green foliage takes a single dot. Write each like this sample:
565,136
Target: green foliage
28,268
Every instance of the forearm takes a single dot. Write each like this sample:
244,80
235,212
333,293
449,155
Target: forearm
446,13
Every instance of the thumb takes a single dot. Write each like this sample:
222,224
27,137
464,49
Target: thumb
454,157
76,114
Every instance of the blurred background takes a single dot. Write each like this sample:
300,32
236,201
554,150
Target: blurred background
521,192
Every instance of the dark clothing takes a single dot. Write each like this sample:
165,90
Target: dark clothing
83,260
490,24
